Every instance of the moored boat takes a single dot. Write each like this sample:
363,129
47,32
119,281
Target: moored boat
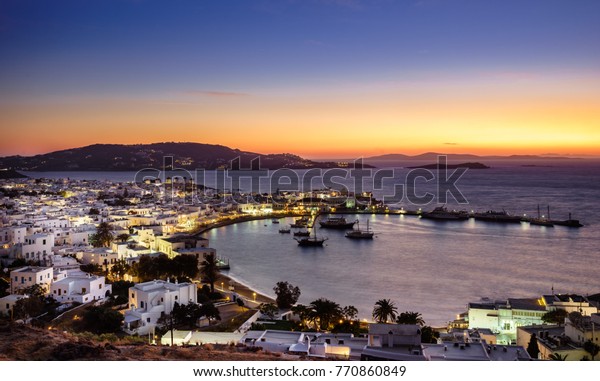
542,220
494,216
441,213
310,241
337,223
360,234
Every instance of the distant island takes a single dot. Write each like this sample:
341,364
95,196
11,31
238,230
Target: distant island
454,166
191,156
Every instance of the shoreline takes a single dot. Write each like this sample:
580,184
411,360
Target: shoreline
240,288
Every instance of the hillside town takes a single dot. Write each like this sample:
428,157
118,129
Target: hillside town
116,258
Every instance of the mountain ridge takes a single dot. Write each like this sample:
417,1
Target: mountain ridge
129,157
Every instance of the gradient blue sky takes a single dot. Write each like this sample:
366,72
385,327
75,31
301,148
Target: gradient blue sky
190,70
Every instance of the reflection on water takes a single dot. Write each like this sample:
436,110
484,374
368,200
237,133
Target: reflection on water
427,266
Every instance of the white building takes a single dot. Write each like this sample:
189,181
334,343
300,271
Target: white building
100,256
8,302
13,234
149,301
37,246
504,317
569,303
81,236
393,342
28,276
80,288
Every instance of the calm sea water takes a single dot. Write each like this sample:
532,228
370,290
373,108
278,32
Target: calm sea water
432,267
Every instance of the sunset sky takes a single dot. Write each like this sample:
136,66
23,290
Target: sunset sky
318,78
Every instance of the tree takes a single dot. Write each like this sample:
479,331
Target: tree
555,317
35,290
122,237
303,312
4,286
350,312
325,312
575,318
591,348
240,303
27,307
384,311
210,270
92,268
187,314
119,269
103,236
429,335
558,357
268,309
410,317
532,348
101,320
93,212
184,266
210,311
287,294
120,290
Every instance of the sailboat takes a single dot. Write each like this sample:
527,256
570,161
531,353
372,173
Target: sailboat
360,234
542,221
311,240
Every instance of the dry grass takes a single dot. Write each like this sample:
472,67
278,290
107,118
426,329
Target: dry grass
20,342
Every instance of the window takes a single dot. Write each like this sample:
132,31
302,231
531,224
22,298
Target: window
142,304
175,297
132,295
148,320
30,279
100,286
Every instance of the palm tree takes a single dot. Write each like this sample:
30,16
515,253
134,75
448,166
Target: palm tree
326,312
210,270
103,236
123,237
384,311
303,312
410,317
558,357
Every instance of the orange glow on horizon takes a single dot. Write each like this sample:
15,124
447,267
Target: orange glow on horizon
325,126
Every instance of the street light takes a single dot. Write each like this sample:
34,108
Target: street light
254,296
222,289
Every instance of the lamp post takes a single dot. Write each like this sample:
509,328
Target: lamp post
254,296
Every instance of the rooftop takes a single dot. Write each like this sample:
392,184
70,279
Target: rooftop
31,269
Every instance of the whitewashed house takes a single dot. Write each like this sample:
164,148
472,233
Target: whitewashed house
82,288
37,246
28,276
8,302
149,301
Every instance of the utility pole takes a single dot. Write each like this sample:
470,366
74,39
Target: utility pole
171,319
